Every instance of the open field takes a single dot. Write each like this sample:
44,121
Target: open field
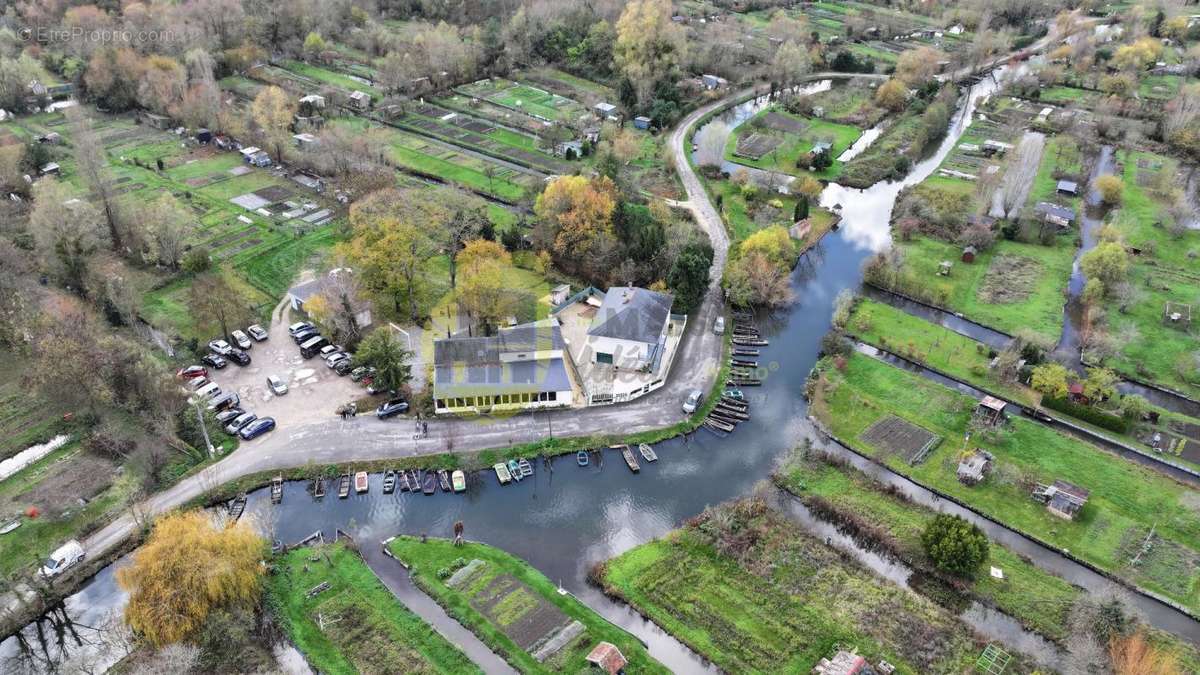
1126,500
356,625
513,608
333,78
525,98
794,136
1009,287
751,592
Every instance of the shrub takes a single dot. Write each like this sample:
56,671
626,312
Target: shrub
955,546
1087,414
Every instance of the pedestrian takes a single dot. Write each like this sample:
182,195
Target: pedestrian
424,428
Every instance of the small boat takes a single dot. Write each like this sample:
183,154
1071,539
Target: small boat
525,467
581,458
236,508
630,460
414,480
459,479
647,452
402,481
389,482
344,486
502,473
10,527
429,486
361,482
318,488
514,470
444,480
277,489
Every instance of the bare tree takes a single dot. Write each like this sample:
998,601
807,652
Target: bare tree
710,144
91,163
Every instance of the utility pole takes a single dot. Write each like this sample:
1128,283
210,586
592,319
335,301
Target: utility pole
203,428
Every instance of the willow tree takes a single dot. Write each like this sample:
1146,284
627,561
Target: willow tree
190,567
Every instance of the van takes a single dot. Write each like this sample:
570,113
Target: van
719,325
70,553
229,399
693,401
207,391
312,346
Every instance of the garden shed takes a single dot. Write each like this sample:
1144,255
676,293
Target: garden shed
1067,187
973,467
1054,213
968,254
1062,499
990,410
607,657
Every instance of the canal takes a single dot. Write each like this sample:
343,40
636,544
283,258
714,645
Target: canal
565,518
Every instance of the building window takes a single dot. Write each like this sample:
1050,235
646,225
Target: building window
458,403
441,403
601,357
553,396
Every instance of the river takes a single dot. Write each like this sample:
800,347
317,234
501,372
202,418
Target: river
565,520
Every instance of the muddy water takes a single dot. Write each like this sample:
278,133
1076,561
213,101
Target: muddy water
565,519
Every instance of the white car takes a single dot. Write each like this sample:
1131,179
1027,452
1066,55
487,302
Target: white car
65,556
336,358
242,340
219,347
693,401
276,385
329,350
257,332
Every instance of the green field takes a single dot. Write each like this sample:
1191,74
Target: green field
503,594
1126,501
793,145
779,600
332,78
366,629
1009,287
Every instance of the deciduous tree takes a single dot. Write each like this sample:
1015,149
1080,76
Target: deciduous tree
649,45
577,218
1111,189
167,227
91,163
1050,379
67,231
216,304
482,290
1108,262
384,352
189,567
272,110
892,95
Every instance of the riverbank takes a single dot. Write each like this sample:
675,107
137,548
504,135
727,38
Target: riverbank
1127,501
354,624
513,608
744,588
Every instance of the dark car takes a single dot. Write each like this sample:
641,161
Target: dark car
298,327
239,422
361,372
304,334
228,415
392,407
343,367
257,428
214,360
239,357
191,372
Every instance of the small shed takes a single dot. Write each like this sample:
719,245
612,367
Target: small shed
204,136
360,100
990,410
559,294
973,467
606,111
314,101
1054,213
1063,499
641,122
821,146
1067,187
993,147
713,82
1075,392
305,140
51,169
51,138
564,148
607,657
157,121
818,111
968,254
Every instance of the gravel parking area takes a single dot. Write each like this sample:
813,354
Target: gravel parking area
314,390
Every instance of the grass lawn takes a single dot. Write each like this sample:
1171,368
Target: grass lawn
366,629
1126,499
783,157
332,77
25,418
272,271
743,218
1009,287
1061,157
167,307
901,333
778,600
519,278
501,598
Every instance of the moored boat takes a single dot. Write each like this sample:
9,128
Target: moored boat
444,479
514,470
361,482
459,480
647,452
525,467
581,458
429,485
502,473
627,455
344,486
389,482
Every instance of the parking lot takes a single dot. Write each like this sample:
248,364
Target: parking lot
314,390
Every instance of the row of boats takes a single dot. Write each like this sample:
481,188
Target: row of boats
520,469
514,470
412,480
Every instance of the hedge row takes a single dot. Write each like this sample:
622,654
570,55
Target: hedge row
1088,414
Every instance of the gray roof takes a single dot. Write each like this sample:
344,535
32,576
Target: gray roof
631,313
470,366
1067,186
308,289
1046,208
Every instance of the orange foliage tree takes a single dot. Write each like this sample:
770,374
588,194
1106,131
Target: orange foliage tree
578,215
1135,655
189,567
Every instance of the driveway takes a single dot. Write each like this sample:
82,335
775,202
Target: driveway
313,388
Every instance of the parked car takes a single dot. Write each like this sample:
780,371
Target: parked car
362,372
65,556
693,401
239,422
719,325
257,332
336,358
229,399
305,335
198,382
327,350
215,360
394,406
208,391
313,345
241,339
219,347
239,357
298,326
276,385
343,367
375,388
227,415
192,372
257,428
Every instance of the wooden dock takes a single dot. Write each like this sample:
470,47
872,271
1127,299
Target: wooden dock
277,489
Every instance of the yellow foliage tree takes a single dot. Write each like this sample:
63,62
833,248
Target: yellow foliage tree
481,288
579,212
1135,655
892,95
649,45
1111,189
272,111
187,568
775,245
1137,55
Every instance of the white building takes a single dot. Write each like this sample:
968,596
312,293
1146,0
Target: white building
629,329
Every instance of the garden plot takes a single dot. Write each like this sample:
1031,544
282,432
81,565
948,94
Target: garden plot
525,98
524,616
785,123
899,437
474,133
756,145
1009,279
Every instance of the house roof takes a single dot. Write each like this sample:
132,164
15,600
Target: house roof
993,403
1048,209
1067,186
605,106
607,657
470,366
631,313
